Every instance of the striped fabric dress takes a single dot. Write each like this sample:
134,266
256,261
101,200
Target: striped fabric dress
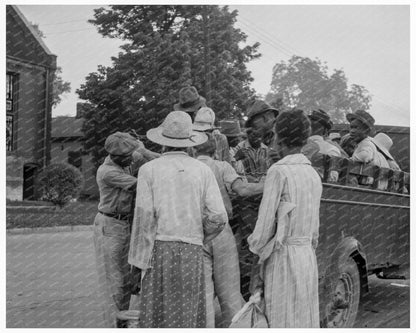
285,238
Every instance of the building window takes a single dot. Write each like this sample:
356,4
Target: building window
9,111
75,158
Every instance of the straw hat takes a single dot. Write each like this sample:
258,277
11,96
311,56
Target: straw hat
231,128
189,100
176,131
362,116
120,143
383,143
204,119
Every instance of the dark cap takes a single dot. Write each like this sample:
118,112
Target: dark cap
189,100
322,117
120,143
362,116
259,107
230,128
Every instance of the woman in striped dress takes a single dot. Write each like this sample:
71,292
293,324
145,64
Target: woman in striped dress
286,232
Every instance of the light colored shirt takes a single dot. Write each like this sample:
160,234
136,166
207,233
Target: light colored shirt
367,152
177,199
225,176
317,144
116,186
324,146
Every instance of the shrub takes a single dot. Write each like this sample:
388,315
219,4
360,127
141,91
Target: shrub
59,183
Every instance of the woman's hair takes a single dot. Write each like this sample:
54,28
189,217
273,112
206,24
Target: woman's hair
293,127
208,147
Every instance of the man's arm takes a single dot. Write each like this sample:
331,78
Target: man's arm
214,215
247,189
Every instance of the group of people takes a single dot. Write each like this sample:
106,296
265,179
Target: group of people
163,242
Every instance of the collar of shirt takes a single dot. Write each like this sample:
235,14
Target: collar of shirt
110,162
294,159
246,144
316,138
204,158
169,153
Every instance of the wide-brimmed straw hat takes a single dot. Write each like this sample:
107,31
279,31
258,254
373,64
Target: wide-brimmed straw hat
321,117
259,107
120,143
231,128
176,131
384,143
189,100
204,119
362,116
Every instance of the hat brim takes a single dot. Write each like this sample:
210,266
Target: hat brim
352,116
194,107
383,149
248,121
155,135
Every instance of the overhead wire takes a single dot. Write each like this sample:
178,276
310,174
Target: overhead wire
289,50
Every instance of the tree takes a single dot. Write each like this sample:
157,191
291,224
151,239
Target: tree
306,84
164,50
59,85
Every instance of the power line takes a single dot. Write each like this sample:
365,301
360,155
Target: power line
64,32
58,23
288,50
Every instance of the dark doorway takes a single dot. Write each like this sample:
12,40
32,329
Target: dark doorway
29,174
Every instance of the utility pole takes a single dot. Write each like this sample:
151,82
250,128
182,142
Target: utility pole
207,69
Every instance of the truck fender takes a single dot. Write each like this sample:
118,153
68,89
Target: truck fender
348,251
348,247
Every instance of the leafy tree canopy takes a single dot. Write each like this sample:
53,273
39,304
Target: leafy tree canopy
306,84
167,47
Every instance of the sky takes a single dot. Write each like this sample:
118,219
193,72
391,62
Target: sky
371,43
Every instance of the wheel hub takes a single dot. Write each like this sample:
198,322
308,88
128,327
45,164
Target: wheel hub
338,308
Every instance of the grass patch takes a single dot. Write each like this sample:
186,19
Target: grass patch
74,213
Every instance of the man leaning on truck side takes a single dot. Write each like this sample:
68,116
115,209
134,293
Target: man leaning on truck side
361,125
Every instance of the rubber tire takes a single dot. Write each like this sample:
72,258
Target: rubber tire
349,268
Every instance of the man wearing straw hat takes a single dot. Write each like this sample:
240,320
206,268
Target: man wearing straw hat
384,143
232,131
112,224
221,262
178,209
205,122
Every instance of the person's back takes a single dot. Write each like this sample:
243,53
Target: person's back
295,177
178,209
178,186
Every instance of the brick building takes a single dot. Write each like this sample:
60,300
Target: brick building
30,68
67,145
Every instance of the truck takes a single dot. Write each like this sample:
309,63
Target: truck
363,230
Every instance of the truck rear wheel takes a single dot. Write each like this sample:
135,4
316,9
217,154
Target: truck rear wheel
342,308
